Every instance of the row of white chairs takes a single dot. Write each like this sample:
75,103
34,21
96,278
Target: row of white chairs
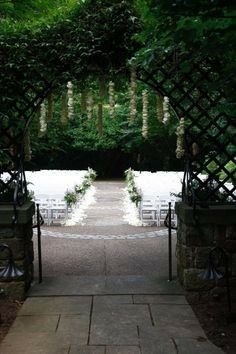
153,210
53,210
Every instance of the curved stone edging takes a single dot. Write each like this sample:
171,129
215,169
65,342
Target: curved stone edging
143,235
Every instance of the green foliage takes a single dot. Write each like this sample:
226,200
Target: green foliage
134,194
202,28
72,197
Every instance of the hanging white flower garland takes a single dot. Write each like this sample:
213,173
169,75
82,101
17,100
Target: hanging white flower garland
112,103
180,139
90,105
145,114
42,119
70,100
133,98
166,107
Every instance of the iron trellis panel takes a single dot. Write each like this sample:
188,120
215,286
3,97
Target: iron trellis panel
210,138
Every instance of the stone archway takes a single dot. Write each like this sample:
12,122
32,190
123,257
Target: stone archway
35,72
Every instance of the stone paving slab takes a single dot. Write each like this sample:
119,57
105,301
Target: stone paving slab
117,285
160,299
56,305
114,334
196,346
170,319
35,323
38,344
87,349
112,299
123,350
121,314
151,343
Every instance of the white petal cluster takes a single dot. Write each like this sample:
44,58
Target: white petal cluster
70,100
145,114
166,107
133,98
111,90
42,119
180,139
90,105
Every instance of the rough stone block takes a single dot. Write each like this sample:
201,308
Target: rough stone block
219,234
231,232
192,280
201,257
14,290
17,247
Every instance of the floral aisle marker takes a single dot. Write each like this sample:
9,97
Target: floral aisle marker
42,120
132,199
112,102
180,139
145,114
133,98
70,100
80,198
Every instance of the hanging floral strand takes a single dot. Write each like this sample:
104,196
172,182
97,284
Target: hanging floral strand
166,107
112,98
145,114
64,108
160,111
90,105
133,98
70,100
27,146
180,139
42,120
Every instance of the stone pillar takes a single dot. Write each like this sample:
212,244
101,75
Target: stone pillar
19,238
196,236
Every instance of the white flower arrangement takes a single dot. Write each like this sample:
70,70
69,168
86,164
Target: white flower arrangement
132,189
166,107
72,197
180,139
145,114
111,90
70,100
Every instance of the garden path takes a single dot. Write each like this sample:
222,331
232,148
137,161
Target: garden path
106,296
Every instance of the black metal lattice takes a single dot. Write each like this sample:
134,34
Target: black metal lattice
210,133
15,118
191,86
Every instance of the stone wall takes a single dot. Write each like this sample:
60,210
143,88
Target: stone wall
19,238
197,234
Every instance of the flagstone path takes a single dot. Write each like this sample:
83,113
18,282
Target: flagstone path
106,296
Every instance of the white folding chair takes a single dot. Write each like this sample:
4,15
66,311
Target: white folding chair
149,210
